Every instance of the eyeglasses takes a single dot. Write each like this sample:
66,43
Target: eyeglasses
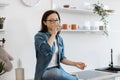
52,21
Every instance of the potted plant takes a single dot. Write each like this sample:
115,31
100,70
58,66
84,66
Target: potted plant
103,13
2,68
2,19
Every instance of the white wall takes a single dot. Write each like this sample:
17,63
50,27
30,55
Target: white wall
22,23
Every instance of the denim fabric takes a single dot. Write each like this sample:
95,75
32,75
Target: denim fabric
44,53
57,74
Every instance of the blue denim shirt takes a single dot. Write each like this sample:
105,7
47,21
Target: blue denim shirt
44,53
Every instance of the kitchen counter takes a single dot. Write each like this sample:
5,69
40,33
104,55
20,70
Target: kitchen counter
96,75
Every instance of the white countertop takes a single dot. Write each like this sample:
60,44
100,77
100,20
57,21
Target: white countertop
96,75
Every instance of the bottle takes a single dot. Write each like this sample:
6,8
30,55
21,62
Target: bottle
19,71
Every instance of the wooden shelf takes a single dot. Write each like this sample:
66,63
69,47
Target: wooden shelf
3,4
85,31
82,11
2,30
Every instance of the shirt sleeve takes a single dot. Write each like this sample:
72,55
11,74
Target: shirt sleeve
62,49
41,45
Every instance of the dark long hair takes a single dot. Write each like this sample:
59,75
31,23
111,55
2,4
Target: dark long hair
44,18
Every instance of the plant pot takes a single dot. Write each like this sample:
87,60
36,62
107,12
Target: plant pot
1,26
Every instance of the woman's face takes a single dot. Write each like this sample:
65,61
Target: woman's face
52,21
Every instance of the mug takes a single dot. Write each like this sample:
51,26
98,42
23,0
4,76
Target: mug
73,26
64,26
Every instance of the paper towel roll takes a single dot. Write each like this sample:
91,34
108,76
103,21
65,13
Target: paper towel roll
19,73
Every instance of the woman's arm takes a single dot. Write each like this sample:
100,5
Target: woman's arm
51,40
79,65
53,32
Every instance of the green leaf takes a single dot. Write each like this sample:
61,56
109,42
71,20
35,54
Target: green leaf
1,66
99,9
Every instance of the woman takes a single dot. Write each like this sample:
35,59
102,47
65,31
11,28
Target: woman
50,50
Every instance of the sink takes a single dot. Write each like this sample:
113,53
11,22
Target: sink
114,69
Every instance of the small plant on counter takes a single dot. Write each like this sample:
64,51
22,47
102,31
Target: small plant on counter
1,68
103,13
2,20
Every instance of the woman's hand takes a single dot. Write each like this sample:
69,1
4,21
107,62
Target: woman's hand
54,29
80,65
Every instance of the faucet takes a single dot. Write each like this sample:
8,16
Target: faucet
111,63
